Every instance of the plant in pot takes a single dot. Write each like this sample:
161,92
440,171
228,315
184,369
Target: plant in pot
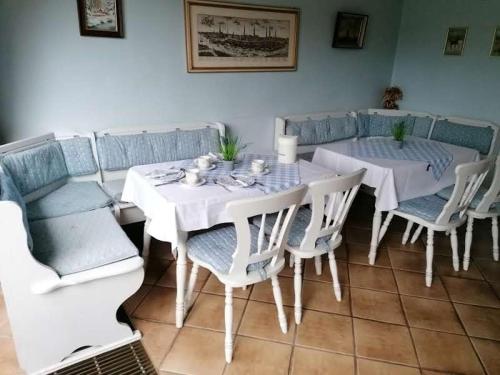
230,147
399,133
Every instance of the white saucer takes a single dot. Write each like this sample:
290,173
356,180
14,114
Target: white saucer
263,173
212,167
202,181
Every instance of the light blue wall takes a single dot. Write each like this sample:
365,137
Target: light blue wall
465,86
52,79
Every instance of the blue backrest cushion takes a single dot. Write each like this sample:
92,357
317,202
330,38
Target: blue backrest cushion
9,192
193,143
422,126
78,156
36,167
475,137
328,129
363,123
117,152
381,126
343,127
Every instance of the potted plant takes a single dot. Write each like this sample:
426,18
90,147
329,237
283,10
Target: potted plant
399,133
230,146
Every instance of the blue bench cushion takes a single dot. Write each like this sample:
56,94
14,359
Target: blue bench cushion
118,152
9,192
375,125
427,208
80,242
216,248
422,126
298,229
70,198
475,137
36,167
329,129
78,156
446,194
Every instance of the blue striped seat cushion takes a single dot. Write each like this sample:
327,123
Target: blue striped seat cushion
446,194
427,208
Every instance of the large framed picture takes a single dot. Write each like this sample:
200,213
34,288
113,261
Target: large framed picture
495,48
100,18
455,41
350,30
232,37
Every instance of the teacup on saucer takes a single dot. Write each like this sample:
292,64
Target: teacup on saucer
192,176
258,165
204,162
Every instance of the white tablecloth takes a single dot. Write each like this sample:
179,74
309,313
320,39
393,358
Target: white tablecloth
174,207
394,180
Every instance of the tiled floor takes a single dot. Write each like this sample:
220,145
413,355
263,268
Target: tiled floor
387,323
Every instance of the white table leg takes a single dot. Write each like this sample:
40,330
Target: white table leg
377,220
181,267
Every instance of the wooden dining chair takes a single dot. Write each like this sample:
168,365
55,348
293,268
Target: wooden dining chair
317,231
441,215
241,255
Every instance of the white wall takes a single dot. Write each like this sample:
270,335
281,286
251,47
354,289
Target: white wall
53,79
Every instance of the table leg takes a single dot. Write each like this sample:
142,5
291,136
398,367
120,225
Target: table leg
377,220
181,267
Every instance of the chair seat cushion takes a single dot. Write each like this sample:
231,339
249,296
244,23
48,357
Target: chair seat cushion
216,248
446,194
298,229
80,242
427,208
70,198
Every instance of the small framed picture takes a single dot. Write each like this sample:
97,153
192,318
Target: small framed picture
495,47
100,18
455,41
350,30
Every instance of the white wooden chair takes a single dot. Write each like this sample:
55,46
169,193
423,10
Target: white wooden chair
438,214
240,255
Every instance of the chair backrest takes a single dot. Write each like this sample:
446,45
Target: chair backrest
285,204
469,177
331,201
491,195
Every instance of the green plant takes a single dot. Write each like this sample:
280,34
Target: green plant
230,146
399,131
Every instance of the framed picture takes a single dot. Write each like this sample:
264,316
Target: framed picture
100,18
455,41
350,30
495,48
232,37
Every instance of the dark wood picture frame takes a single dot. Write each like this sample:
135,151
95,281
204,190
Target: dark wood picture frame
356,24
86,31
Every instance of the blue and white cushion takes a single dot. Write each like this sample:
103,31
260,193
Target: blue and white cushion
475,137
427,208
78,156
446,194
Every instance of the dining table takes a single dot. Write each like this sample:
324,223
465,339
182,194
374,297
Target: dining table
174,209
397,172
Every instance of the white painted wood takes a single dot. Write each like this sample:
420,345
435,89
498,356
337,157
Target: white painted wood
335,276
228,318
297,285
494,234
454,249
279,303
181,269
192,284
48,327
383,230
417,233
146,242
429,254
468,242
406,234
318,267
377,220
291,261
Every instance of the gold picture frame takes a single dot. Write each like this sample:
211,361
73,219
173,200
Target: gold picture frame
234,37
495,45
455,41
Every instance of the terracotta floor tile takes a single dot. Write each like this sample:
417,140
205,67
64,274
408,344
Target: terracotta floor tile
431,314
488,352
155,269
383,341
489,268
214,286
368,367
8,359
374,305
481,322
474,292
131,304
312,362
444,266
251,356
326,276
372,278
264,291
393,240
445,352
358,254
159,305
320,296
413,284
196,351
407,261
260,320
168,278
208,312
325,331
157,339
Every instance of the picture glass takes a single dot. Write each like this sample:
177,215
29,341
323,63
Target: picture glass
101,15
455,41
350,30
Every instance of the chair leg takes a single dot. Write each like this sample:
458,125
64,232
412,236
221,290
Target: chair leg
335,275
429,256
385,226
191,285
406,235
228,317
494,234
291,261
279,303
318,266
377,219
297,286
244,287
417,233
468,242
146,243
454,249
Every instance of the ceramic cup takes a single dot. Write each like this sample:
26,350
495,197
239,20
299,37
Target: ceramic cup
204,162
258,165
192,176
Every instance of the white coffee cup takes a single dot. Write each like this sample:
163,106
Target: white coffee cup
204,162
258,165
192,176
